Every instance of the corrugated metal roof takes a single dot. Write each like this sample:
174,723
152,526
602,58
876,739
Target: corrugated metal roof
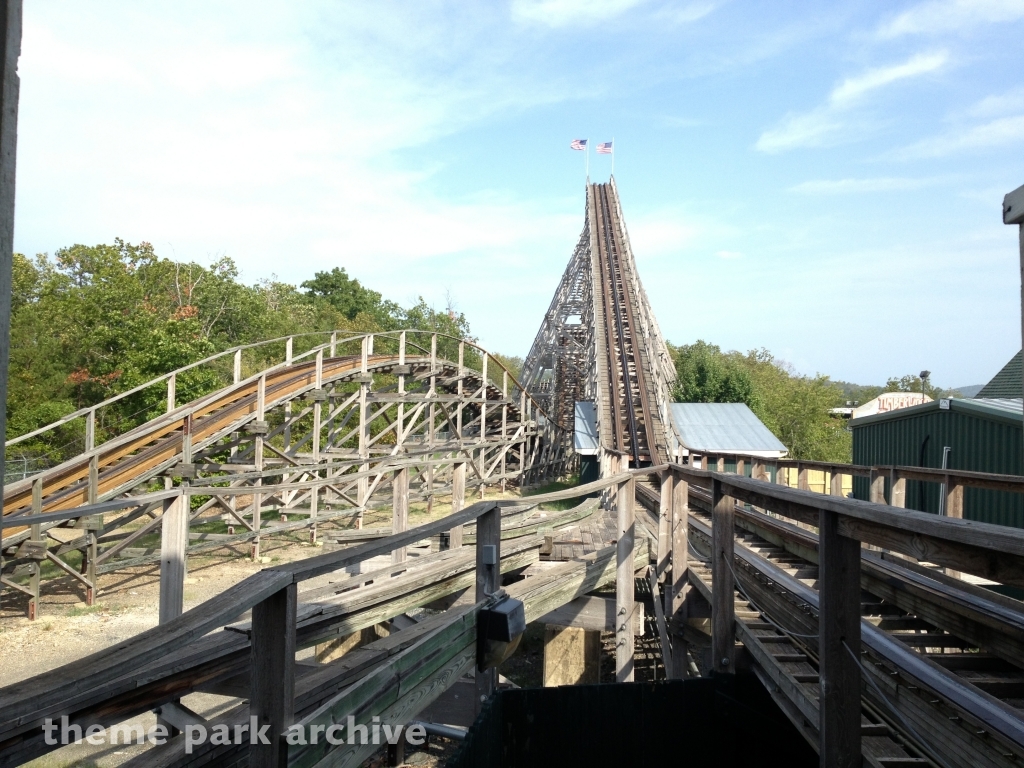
1006,383
585,436
725,427
1003,409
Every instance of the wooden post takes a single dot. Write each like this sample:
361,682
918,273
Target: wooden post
172,386
898,489
91,550
802,481
236,374
400,509
272,675
624,582
173,543
723,609
90,429
458,500
38,554
838,629
720,464
835,487
665,522
877,488
680,585
257,497
488,580
741,466
954,498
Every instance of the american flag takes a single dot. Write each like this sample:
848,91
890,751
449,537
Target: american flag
579,144
605,148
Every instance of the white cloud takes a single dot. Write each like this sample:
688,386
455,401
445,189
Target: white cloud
844,186
831,122
999,104
686,14
562,13
938,16
996,133
854,87
729,255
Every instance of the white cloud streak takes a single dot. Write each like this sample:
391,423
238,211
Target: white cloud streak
1001,132
830,122
942,16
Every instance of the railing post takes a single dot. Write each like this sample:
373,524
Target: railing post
897,488
835,487
172,385
90,430
39,549
488,580
723,609
458,500
665,521
802,481
173,543
236,373
838,645
954,498
288,351
257,497
334,344
877,492
624,643
680,584
272,676
400,509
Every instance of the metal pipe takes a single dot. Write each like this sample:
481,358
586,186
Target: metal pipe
456,732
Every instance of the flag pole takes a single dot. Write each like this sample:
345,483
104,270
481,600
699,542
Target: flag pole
613,155
586,151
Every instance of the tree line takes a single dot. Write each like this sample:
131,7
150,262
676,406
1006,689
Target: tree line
91,322
797,409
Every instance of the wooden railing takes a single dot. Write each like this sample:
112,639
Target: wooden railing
843,525
881,478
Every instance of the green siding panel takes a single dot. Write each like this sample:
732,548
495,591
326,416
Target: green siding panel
914,437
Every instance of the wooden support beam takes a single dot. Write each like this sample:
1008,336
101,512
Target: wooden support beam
173,542
838,645
488,580
680,546
458,501
400,509
624,645
723,611
665,522
898,489
272,675
572,656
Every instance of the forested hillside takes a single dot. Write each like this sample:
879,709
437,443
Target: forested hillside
91,322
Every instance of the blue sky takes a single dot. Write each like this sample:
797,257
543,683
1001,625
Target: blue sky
820,179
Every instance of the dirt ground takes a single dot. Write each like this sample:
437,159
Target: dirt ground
67,630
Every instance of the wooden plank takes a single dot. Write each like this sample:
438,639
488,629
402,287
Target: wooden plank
400,509
173,540
592,613
624,587
458,500
659,612
272,677
723,617
839,645
665,522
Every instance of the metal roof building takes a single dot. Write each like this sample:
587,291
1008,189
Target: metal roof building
982,435
722,428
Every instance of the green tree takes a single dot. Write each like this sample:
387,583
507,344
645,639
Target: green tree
349,297
704,374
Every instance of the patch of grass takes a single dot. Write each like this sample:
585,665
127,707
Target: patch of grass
85,610
557,485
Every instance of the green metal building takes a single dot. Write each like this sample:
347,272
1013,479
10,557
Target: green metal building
983,435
